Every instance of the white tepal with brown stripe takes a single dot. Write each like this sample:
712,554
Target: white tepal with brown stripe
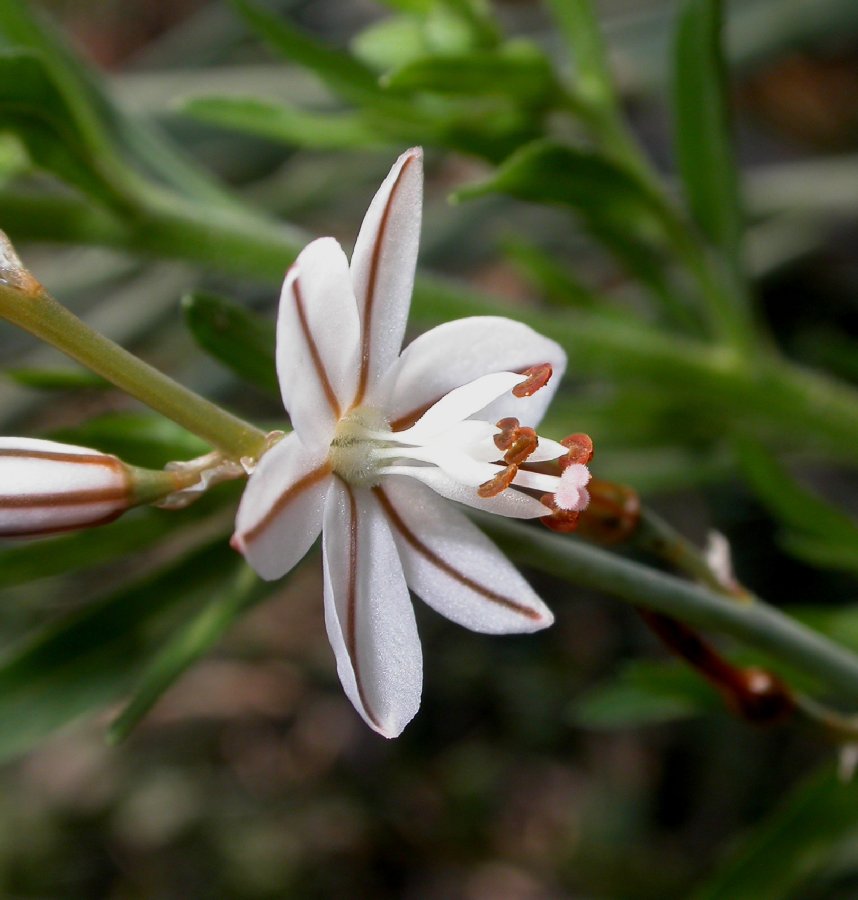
383,441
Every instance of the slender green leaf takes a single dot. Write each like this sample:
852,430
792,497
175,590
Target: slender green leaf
21,563
110,129
36,107
825,552
519,72
391,42
644,693
144,439
56,379
88,658
797,841
345,74
702,134
235,337
599,190
284,123
193,639
577,22
816,529
558,282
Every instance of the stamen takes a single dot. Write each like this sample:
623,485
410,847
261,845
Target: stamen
499,483
508,426
516,441
560,520
580,450
524,443
537,377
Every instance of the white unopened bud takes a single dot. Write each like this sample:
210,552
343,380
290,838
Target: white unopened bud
46,487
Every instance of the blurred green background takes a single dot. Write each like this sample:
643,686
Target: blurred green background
578,762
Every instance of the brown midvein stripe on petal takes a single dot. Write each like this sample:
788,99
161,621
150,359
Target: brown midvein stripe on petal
406,420
66,498
84,459
301,485
351,605
409,419
372,280
429,554
321,371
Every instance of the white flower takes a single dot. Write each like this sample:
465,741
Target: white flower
380,439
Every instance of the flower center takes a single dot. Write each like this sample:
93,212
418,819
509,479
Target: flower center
354,449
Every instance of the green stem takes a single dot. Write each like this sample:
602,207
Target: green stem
42,316
797,404
755,623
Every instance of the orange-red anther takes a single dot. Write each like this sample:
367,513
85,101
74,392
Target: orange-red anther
537,377
560,520
580,450
508,428
500,482
524,443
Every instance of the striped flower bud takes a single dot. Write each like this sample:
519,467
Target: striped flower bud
47,487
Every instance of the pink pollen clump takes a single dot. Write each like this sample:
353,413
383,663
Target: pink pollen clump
571,493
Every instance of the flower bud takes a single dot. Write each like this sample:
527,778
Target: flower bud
46,487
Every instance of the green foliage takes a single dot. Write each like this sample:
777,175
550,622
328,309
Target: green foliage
284,123
86,659
639,280
55,132
797,841
814,529
644,693
703,147
228,332
187,643
518,72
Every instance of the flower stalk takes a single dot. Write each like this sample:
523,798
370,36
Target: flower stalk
26,303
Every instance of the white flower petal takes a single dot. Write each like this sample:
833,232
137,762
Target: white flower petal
454,567
368,612
383,265
318,341
280,514
510,503
459,352
460,403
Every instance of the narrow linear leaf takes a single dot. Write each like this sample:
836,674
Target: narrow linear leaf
22,563
702,135
558,282
190,641
343,73
284,123
87,659
235,337
519,72
144,439
797,841
644,693
56,379
596,188
577,22
797,507
34,105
